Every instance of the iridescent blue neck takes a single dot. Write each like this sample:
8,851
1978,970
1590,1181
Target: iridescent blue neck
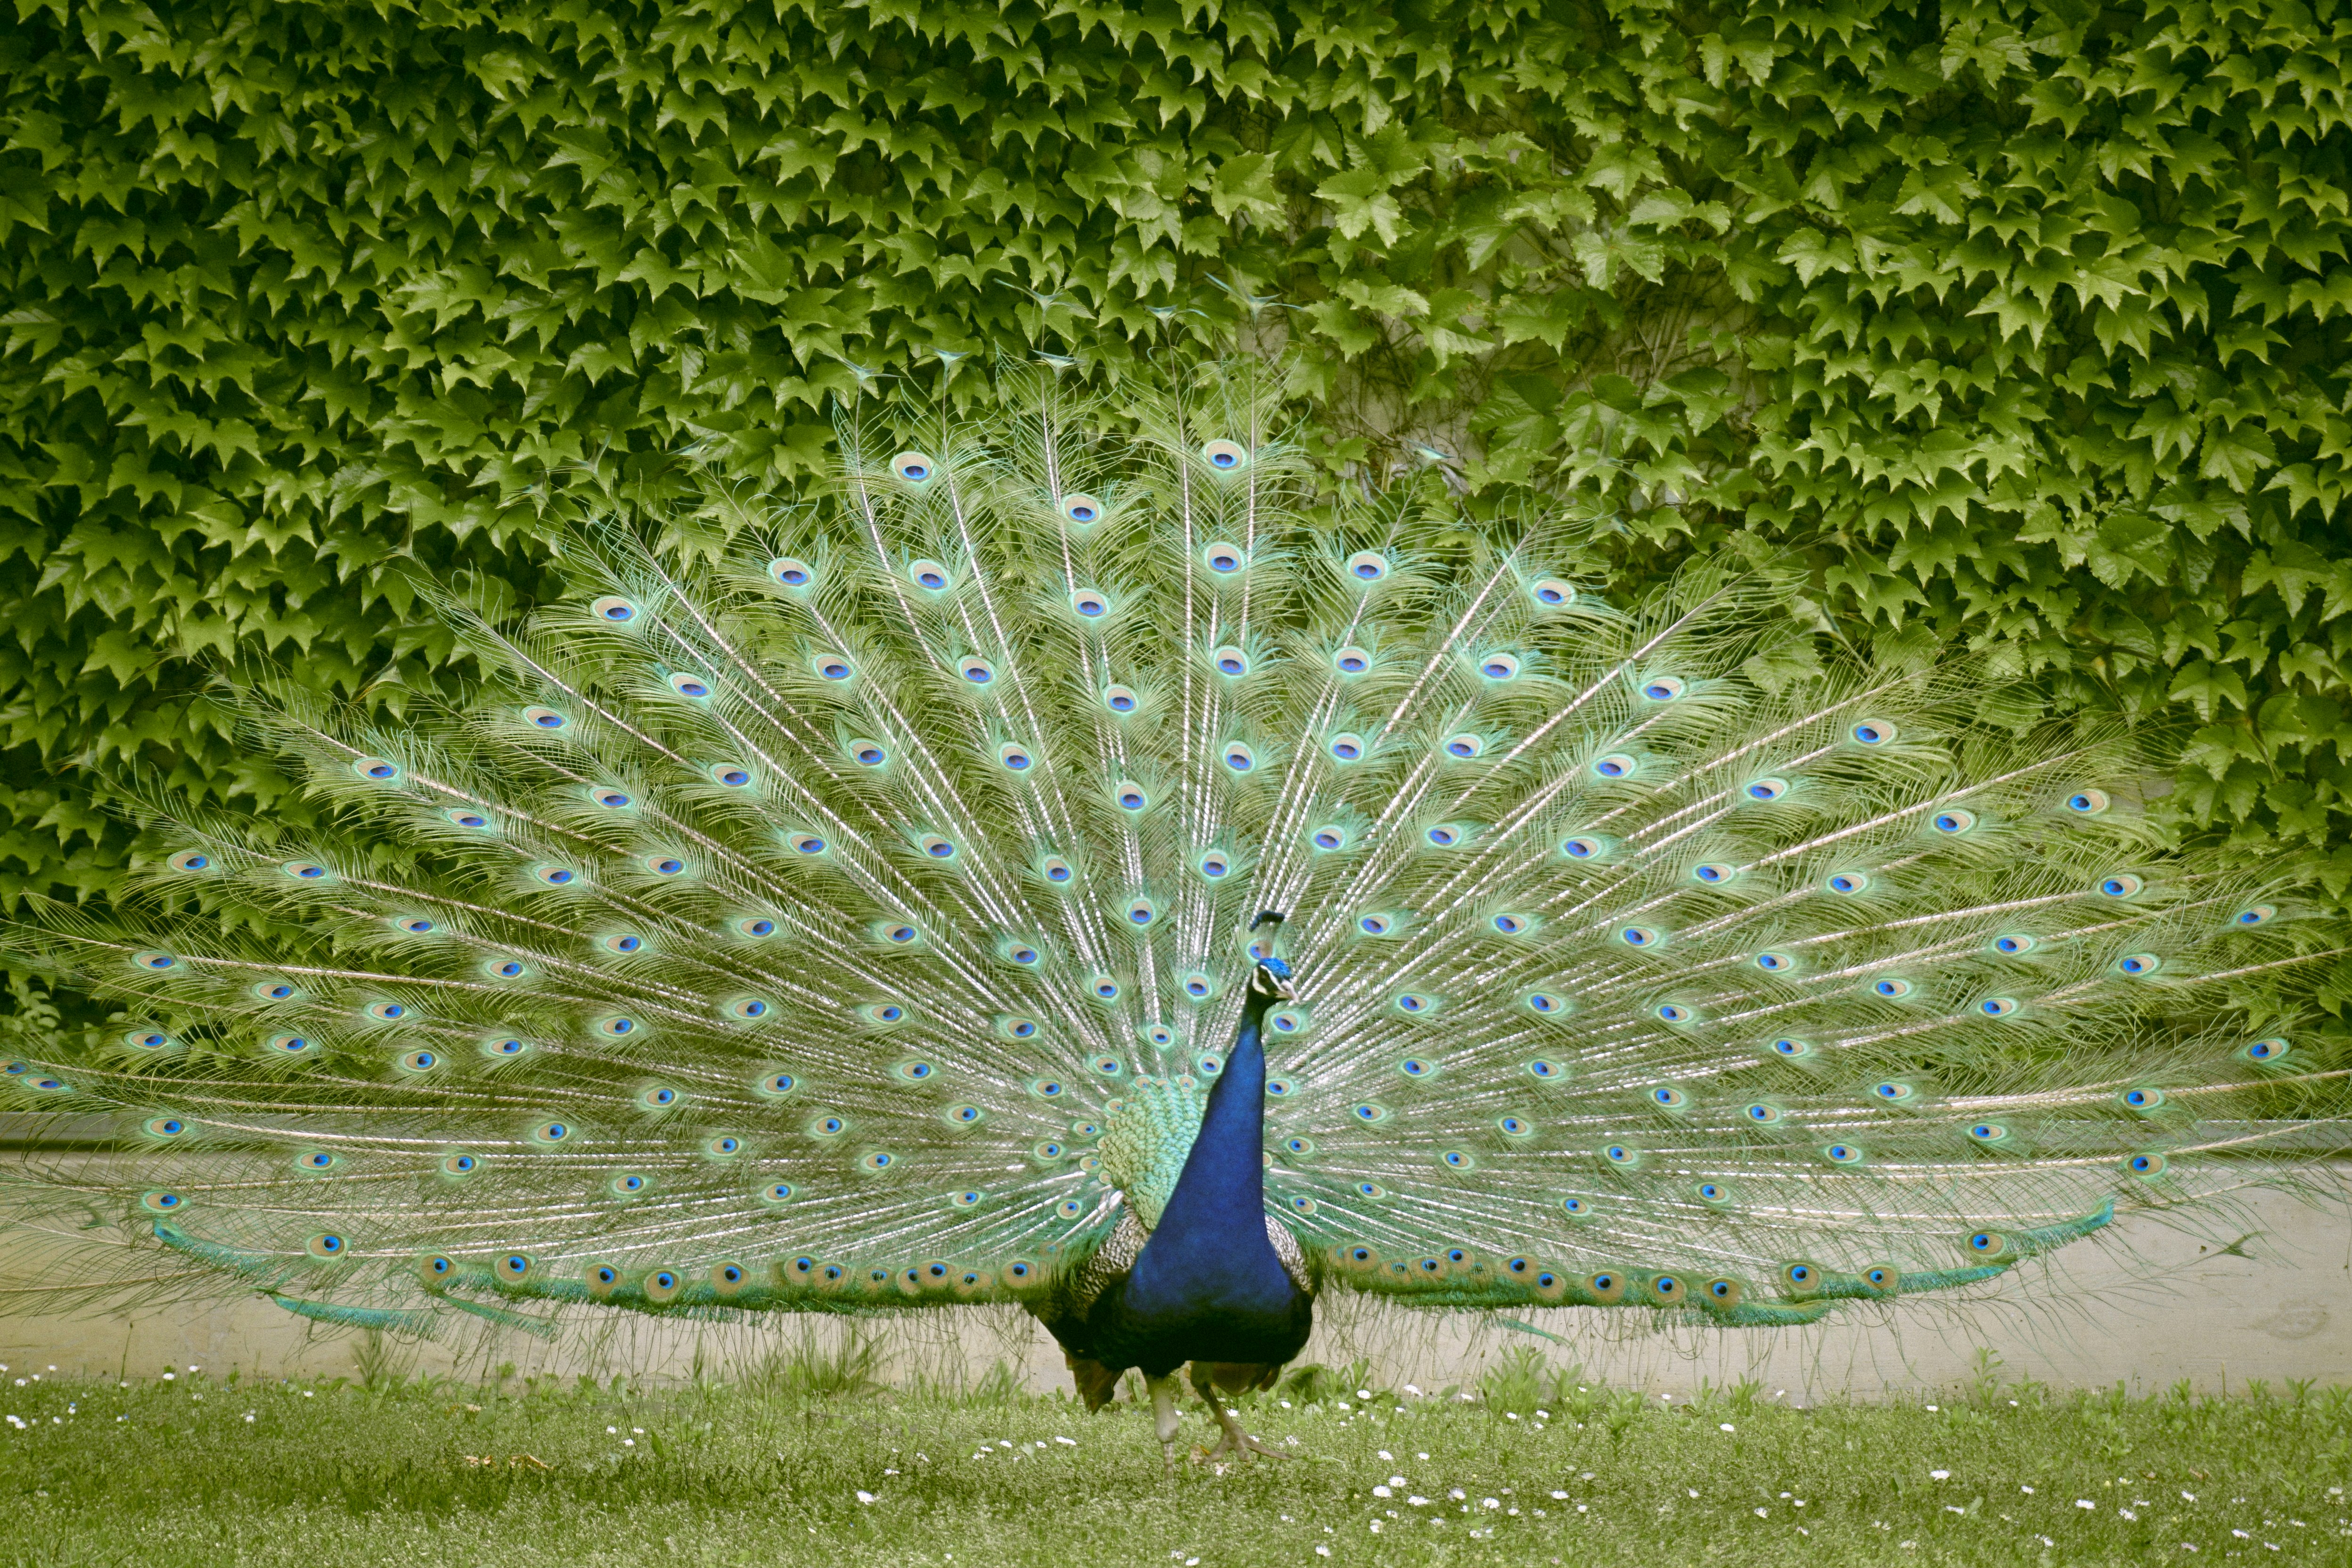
1210,1250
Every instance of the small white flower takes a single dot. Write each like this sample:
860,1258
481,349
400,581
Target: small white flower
2128,1513
1376,1527
1510,1415
612,1431
864,1497
249,1416
1931,1408
1458,1495
1383,1491
1559,1497
1939,1475
1396,1480
1416,1500
2027,1490
1728,1426
1492,1502
169,1376
1386,1454
1066,1442
1322,1551
2084,1502
2187,1497
1763,1513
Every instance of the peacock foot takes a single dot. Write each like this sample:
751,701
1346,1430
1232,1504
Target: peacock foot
1232,1439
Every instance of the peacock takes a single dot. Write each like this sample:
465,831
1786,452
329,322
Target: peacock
1084,860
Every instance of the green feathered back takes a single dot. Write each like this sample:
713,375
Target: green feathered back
851,911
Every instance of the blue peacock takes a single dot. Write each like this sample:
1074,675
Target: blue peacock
1081,862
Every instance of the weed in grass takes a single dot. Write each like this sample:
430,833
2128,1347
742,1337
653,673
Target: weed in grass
812,1459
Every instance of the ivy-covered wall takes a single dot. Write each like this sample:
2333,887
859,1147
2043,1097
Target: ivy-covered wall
2027,321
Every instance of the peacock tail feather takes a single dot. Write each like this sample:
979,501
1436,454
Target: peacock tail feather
847,907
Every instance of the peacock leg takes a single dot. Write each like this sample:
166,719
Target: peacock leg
1165,1391
1231,1439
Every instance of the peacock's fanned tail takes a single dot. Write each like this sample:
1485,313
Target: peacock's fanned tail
847,908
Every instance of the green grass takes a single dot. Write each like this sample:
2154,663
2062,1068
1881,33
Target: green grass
780,1469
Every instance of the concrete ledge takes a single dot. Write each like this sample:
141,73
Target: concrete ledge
2154,1306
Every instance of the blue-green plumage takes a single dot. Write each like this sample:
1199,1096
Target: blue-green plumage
850,918
1208,1285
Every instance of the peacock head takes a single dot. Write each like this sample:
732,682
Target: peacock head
1270,981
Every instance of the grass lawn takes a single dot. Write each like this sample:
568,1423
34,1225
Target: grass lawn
819,1464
